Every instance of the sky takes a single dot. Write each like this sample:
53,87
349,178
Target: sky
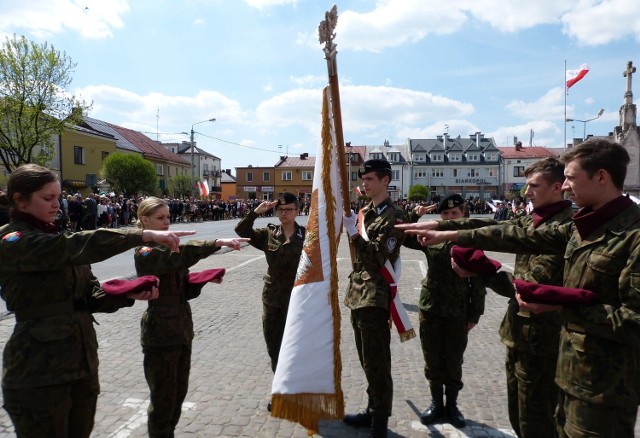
406,68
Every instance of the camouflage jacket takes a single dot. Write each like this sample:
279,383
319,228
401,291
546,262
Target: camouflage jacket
40,272
443,292
282,257
599,344
367,287
167,320
536,334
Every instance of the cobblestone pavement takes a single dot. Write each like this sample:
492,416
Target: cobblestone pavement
231,376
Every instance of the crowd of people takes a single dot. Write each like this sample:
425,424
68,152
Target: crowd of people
571,344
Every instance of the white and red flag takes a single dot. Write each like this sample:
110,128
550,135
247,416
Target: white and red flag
203,188
573,76
307,384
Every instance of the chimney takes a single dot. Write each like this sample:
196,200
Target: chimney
519,146
304,156
228,171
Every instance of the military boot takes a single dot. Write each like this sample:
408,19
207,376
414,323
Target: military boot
361,419
453,414
435,412
378,427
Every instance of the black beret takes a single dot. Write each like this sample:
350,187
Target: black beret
287,198
449,202
374,166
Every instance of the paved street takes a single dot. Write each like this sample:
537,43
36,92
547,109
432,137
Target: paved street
231,376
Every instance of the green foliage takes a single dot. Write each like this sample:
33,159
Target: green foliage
180,186
34,104
130,174
418,192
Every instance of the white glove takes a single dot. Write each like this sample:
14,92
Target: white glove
349,224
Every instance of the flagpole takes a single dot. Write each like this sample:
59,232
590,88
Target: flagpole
326,35
564,145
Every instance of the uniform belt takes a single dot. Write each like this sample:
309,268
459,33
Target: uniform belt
574,327
45,310
171,300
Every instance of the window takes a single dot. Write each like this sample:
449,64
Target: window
105,154
518,171
78,155
419,158
491,156
437,173
456,173
473,172
169,171
159,169
437,156
354,176
394,156
492,172
473,156
286,175
249,176
395,175
265,176
353,157
307,175
377,156
420,173
455,157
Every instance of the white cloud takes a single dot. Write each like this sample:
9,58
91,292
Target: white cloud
595,23
308,80
263,4
42,18
548,107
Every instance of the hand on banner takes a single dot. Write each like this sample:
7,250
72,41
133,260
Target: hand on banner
349,224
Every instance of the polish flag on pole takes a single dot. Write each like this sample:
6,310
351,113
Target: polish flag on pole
358,191
573,76
203,188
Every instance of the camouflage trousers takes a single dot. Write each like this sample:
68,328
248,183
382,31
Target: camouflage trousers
167,370
443,341
579,419
273,322
373,342
532,394
56,411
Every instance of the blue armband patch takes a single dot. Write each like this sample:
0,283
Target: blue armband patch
12,237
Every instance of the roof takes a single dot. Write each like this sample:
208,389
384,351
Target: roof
148,147
226,178
296,162
121,142
525,152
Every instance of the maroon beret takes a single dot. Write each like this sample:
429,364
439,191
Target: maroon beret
474,260
140,284
547,294
206,276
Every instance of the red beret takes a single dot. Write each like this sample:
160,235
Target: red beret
206,276
474,260
140,284
547,294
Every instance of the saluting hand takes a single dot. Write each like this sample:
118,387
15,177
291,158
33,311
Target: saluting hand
234,243
265,206
170,239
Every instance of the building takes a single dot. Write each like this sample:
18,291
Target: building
398,157
207,167
469,166
295,175
514,161
628,135
227,186
255,183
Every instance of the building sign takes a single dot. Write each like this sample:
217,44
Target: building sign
267,189
249,189
391,188
74,183
477,181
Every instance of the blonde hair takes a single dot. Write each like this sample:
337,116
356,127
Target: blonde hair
147,207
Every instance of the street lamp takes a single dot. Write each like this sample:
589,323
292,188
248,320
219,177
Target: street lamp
193,170
584,123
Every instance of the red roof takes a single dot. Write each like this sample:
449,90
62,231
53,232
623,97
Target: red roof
149,148
525,152
297,162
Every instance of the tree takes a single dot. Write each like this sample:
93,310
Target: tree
180,186
418,192
34,103
130,174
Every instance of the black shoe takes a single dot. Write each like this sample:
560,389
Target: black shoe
269,406
455,417
361,419
378,428
433,414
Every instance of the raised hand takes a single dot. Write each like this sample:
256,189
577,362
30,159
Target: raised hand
170,239
234,243
265,206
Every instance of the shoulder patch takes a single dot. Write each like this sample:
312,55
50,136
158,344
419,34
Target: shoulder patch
391,244
144,251
12,237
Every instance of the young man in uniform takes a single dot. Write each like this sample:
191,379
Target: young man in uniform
531,339
597,369
376,241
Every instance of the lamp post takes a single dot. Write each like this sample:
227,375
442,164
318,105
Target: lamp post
193,170
584,123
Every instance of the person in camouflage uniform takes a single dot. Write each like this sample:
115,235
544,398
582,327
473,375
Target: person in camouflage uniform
531,339
369,294
282,246
597,369
167,325
449,306
50,366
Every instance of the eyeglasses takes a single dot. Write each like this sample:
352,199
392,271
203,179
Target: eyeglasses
285,210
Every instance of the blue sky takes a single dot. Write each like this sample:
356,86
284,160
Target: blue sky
407,68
